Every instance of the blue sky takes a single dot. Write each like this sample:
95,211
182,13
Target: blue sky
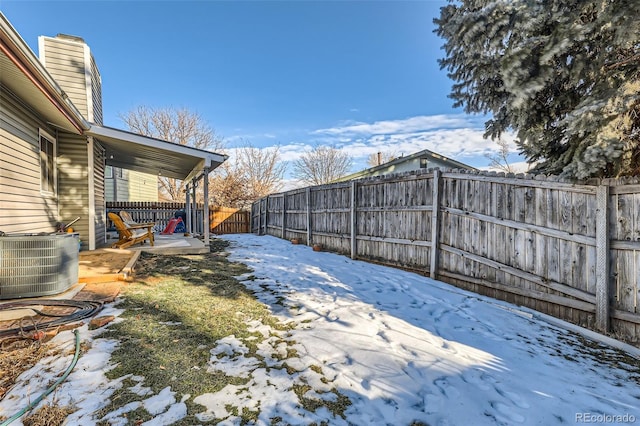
359,75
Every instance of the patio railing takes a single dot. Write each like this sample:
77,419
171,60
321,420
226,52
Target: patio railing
222,220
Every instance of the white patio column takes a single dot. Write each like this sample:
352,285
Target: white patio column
194,203
187,208
206,205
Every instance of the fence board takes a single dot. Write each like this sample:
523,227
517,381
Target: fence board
528,240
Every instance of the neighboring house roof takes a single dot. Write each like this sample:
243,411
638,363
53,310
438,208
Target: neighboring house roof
389,166
22,73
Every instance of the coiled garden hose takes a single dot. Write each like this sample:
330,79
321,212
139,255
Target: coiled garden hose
84,309
51,388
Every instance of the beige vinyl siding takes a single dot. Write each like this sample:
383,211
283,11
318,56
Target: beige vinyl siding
100,202
23,208
142,186
108,189
96,92
73,182
65,61
121,190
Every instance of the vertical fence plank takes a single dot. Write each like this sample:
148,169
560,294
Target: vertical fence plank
284,216
435,224
353,219
309,236
602,258
258,228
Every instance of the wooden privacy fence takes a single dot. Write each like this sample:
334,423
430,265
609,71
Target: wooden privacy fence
568,250
227,220
222,220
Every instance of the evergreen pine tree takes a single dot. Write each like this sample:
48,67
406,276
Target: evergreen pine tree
564,75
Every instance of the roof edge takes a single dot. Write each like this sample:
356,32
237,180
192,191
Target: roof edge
33,68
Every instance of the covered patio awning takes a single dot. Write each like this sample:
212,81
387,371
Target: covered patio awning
154,156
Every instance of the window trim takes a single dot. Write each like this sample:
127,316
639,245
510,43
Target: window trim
108,172
43,134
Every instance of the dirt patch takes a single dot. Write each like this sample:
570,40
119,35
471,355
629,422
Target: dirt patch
102,262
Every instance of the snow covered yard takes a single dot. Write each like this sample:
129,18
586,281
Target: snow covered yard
405,348
367,345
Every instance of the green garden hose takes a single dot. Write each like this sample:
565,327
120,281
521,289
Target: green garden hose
51,388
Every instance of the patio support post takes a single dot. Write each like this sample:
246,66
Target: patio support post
205,186
187,206
194,210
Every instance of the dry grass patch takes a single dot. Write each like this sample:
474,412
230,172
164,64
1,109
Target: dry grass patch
20,356
175,312
48,415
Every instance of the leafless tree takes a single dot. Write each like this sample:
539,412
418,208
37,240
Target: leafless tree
382,157
322,165
500,159
252,174
180,126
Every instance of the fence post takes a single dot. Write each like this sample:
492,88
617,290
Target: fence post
309,235
284,215
266,216
257,228
354,252
602,258
435,224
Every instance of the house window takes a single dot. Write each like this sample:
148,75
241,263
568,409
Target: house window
47,163
423,163
111,172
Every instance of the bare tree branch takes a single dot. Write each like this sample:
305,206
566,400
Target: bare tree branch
180,126
500,160
253,174
322,165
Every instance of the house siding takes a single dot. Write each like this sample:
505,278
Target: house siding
65,61
73,182
95,90
132,186
142,186
23,208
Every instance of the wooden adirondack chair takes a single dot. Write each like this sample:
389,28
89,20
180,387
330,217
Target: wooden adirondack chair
128,220
131,234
